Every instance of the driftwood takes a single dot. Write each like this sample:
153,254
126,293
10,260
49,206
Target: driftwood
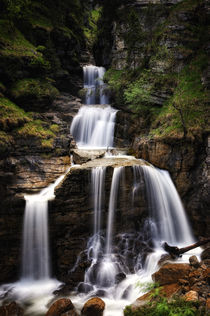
177,252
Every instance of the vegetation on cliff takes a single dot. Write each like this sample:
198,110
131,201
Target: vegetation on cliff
160,69
40,42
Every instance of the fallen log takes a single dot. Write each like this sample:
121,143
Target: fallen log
177,252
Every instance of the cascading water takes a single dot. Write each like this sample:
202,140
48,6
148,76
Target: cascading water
35,256
166,208
136,254
35,285
93,126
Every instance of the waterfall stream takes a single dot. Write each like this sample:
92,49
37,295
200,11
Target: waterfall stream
118,260
93,126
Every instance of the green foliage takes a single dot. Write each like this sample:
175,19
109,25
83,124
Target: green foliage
17,8
138,93
161,307
91,29
187,108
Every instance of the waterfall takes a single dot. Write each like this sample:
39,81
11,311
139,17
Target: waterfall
112,206
35,254
94,86
93,126
97,183
165,207
35,241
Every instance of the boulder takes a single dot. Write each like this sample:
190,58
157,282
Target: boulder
167,291
120,277
12,309
84,287
170,273
194,262
94,306
191,296
60,307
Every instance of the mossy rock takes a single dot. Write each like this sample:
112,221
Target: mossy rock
11,116
34,94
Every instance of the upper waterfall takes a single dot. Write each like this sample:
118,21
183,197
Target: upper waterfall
94,85
93,126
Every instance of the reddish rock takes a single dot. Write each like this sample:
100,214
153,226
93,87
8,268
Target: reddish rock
95,306
208,303
62,307
191,296
206,275
170,273
13,309
167,290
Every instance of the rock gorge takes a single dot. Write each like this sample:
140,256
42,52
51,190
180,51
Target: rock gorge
41,81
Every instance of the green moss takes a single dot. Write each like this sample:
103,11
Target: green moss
47,143
6,141
11,115
189,101
33,88
90,31
54,128
41,21
35,128
14,43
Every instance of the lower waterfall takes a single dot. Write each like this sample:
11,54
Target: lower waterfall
117,265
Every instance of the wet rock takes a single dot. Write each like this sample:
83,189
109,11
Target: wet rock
126,292
170,273
191,296
120,277
95,306
84,287
101,293
194,262
12,309
61,306
81,156
205,254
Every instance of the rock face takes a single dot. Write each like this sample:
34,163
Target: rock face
62,307
188,163
28,168
95,306
12,309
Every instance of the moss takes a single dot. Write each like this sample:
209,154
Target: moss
91,30
34,91
6,141
14,43
11,115
54,128
35,128
41,21
47,143
189,100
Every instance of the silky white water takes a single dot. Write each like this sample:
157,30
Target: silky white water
93,126
36,284
94,86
